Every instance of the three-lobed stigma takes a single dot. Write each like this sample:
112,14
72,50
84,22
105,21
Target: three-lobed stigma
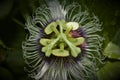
61,44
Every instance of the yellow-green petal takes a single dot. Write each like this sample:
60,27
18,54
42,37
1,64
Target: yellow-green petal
49,28
44,41
60,53
74,25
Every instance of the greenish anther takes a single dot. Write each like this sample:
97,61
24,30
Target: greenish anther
61,30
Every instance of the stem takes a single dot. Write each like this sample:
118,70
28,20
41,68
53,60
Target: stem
55,30
50,46
68,30
61,46
74,50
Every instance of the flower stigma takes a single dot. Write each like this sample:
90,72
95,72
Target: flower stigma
60,43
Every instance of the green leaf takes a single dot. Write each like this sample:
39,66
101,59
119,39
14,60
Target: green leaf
112,51
110,71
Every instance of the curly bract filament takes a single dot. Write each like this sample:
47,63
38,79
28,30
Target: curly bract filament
43,65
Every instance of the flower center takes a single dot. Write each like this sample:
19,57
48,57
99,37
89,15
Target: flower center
61,43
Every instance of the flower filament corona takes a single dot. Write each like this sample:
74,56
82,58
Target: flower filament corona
61,44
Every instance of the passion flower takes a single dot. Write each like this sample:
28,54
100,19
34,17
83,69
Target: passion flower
62,43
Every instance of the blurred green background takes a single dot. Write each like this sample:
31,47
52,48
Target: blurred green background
12,33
